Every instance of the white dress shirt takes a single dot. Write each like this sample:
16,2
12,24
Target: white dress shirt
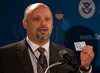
36,52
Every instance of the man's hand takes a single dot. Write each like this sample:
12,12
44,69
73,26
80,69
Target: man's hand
87,56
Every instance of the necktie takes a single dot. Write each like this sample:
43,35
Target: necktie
42,59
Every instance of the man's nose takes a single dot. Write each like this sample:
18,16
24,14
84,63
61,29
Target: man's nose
43,22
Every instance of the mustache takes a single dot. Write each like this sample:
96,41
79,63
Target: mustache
41,28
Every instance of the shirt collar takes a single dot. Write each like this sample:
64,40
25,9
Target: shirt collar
35,46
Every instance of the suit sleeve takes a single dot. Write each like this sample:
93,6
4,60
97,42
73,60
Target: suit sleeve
0,64
0,67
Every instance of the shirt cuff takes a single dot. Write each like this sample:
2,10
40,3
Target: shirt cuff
83,71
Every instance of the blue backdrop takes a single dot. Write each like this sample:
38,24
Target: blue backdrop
74,20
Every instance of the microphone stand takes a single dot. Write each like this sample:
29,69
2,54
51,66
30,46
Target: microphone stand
55,64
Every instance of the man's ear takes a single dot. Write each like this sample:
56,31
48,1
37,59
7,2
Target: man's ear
52,24
24,23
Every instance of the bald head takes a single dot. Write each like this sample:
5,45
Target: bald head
38,21
33,7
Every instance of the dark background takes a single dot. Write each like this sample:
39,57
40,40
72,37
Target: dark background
71,28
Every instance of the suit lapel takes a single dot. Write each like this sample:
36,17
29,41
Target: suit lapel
54,56
24,57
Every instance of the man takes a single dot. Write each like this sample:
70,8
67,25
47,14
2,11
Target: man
23,56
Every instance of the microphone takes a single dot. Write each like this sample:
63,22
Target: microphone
69,61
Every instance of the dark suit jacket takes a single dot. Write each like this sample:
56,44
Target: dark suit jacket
14,58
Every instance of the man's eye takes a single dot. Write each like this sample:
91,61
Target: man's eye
47,19
36,19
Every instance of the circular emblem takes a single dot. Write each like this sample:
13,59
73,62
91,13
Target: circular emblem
86,8
59,14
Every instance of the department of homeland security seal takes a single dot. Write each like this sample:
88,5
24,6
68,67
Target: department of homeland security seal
86,8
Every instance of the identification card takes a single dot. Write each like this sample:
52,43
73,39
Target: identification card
79,45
